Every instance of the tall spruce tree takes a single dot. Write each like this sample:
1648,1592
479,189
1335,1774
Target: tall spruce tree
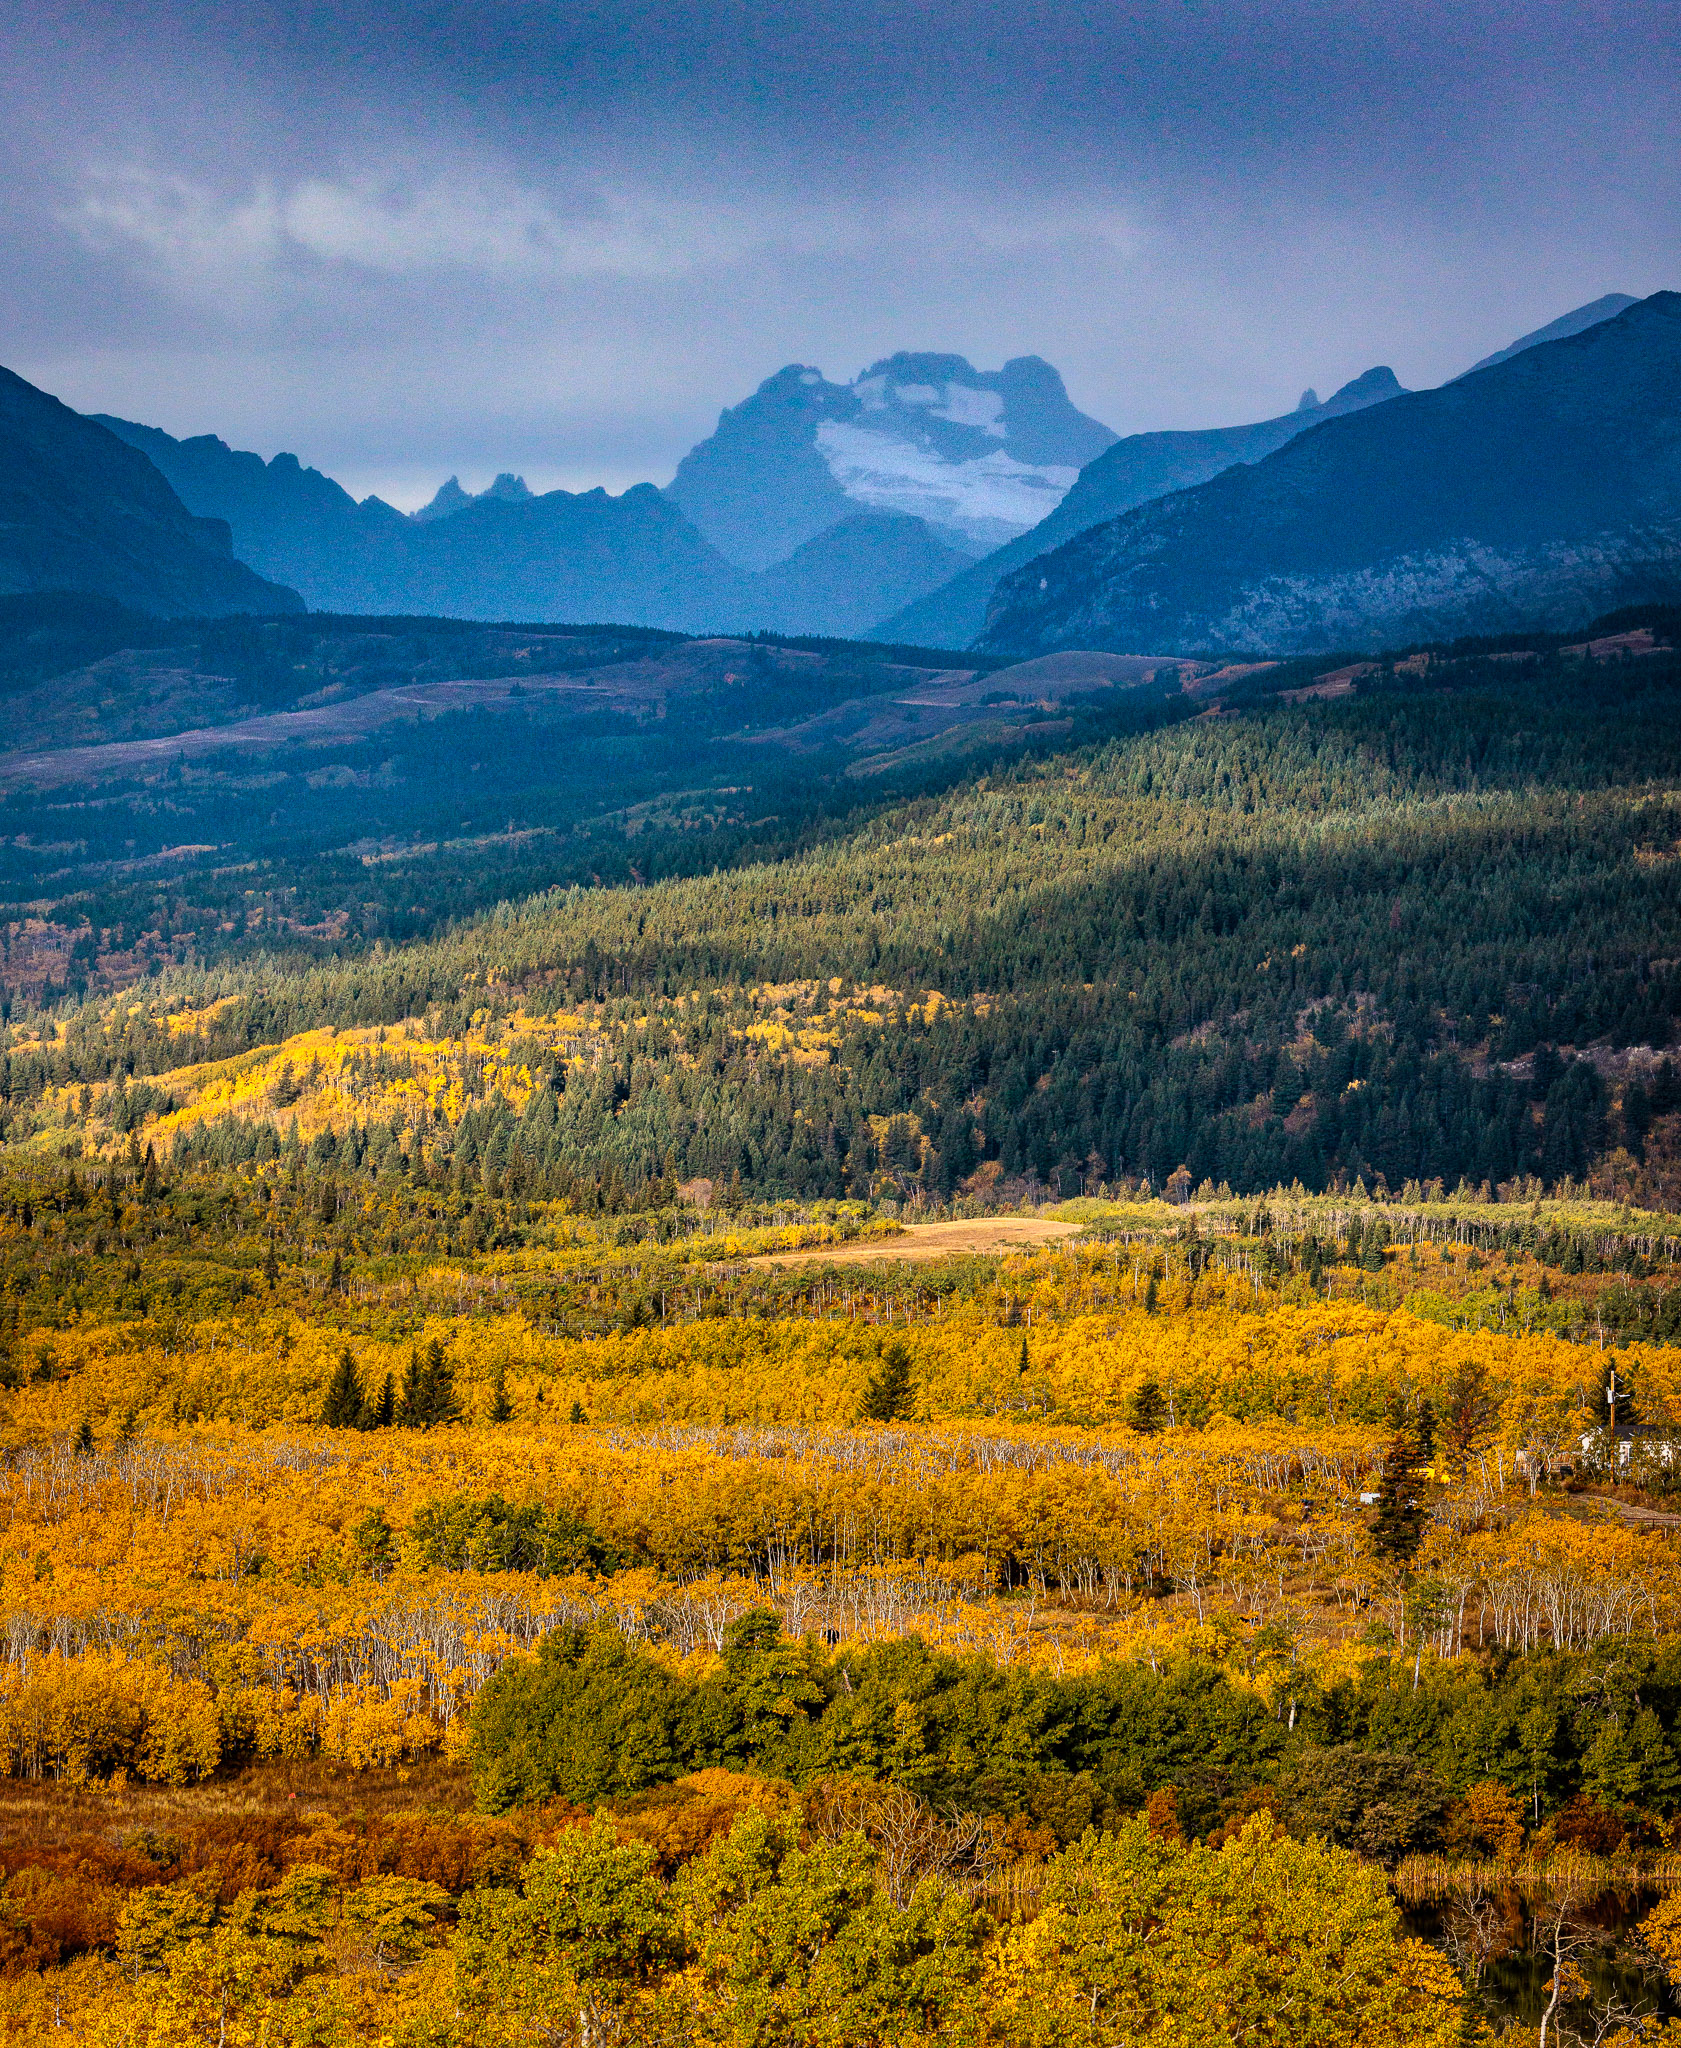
342,1408
890,1395
1400,1505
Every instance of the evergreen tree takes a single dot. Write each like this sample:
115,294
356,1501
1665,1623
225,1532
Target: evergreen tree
501,1408
335,1279
1400,1506
577,1414
890,1396
429,1399
342,1408
384,1409
271,1265
84,1439
1147,1411
410,1402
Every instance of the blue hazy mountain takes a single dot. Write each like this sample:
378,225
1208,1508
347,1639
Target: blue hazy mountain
978,455
81,511
503,554
1562,328
1534,493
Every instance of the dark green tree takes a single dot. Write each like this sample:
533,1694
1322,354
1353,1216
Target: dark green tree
890,1395
429,1399
342,1408
1147,1411
501,1408
1399,1526
383,1411
589,1718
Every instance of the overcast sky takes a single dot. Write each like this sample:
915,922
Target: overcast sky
406,239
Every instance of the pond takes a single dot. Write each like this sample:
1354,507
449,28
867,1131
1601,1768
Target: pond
1491,1936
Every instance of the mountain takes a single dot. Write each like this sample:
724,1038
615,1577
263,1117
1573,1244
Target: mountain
289,522
80,511
1562,328
1130,472
450,498
1533,493
564,555
980,455
844,580
503,554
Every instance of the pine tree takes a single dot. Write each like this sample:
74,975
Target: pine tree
342,1408
149,1179
84,1439
890,1396
1399,1527
271,1265
335,1280
384,1408
1021,1363
1147,1411
501,1408
409,1404
429,1398
577,1414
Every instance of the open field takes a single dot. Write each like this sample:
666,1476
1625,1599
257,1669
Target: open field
918,1243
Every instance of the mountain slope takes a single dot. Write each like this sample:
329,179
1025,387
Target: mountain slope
565,555
845,579
289,522
1532,493
504,554
80,511
1131,472
1574,322
979,455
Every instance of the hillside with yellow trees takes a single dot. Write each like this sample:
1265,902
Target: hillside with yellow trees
511,1527
400,1569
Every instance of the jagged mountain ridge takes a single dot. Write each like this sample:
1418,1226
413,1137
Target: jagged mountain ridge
1130,472
505,553
81,511
584,555
979,455
1535,492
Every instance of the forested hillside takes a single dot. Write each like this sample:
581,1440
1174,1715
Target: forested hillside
1426,928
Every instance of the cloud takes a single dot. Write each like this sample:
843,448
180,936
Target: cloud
391,226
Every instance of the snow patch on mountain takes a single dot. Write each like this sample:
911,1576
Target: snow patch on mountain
976,504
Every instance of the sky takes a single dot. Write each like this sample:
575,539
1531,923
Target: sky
405,240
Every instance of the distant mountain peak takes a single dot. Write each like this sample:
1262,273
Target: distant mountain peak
978,455
1309,401
450,498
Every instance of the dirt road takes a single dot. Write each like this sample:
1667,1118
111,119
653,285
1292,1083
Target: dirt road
920,1242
